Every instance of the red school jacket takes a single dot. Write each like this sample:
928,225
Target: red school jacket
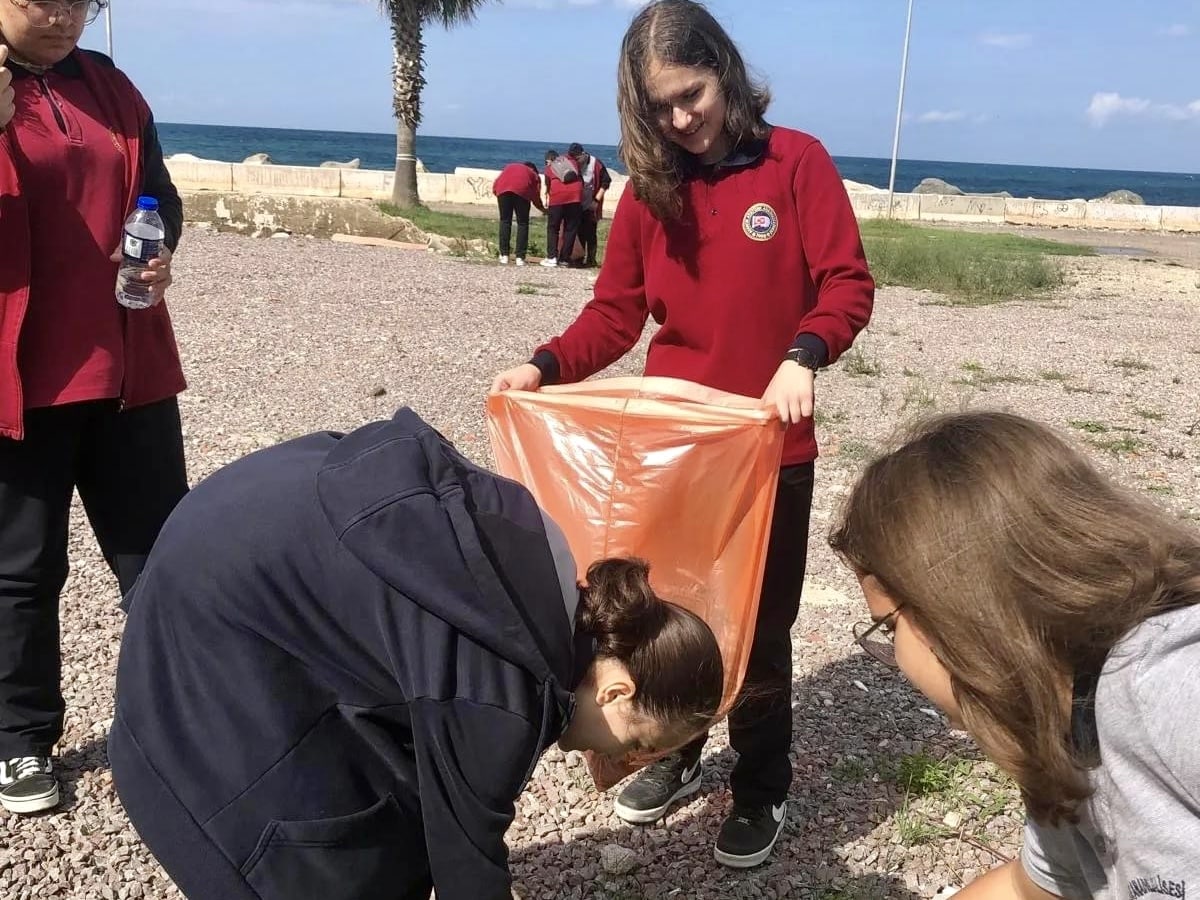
519,179
562,194
767,249
152,368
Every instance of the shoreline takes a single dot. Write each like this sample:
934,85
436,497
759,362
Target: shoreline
1051,180
272,189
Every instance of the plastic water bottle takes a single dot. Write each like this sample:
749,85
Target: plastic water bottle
142,241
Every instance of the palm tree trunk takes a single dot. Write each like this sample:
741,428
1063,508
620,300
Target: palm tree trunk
407,81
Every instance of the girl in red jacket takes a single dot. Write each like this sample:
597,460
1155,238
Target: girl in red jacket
517,188
87,388
739,239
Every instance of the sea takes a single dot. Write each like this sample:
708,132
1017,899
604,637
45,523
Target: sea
444,154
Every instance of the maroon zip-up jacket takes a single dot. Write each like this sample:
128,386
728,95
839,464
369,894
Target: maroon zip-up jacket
85,98
766,256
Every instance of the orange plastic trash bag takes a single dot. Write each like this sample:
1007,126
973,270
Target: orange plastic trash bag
678,474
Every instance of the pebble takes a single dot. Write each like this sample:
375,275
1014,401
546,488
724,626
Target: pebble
618,860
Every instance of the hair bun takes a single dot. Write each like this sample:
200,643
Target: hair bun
620,608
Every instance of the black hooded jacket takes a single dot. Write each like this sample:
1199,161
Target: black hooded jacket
342,661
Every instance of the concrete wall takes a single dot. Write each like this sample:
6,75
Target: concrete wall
942,208
474,186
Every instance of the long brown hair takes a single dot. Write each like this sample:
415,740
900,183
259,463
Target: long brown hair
669,651
682,33
1023,565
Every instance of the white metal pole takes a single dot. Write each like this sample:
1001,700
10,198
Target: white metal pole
899,109
108,27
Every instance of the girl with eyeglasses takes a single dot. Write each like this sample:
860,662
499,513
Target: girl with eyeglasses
87,388
1056,617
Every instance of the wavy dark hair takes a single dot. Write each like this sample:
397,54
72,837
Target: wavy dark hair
1024,566
682,33
669,651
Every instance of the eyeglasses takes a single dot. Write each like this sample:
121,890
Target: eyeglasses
878,639
44,13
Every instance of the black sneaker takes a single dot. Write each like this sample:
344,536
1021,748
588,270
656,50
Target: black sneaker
647,797
27,784
749,835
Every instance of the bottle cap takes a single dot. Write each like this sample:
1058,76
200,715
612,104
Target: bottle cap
147,203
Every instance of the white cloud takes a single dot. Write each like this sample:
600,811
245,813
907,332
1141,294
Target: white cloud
1177,30
938,116
1107,106
1006,41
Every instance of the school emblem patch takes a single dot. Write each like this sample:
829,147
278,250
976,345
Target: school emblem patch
760,222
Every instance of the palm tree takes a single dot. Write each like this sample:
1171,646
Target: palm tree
408,18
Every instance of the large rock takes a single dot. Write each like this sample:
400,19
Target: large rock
333,164
1122,196
190,157
937,186
258,159
859,187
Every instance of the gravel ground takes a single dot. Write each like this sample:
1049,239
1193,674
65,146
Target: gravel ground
285,336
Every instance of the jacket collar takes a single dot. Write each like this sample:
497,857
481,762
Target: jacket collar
745,154
69,67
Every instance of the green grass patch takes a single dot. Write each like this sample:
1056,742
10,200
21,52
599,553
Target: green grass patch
982,380
1053,375
970,268
1089,426
920,774
856,450
468,228
914,828
1131,364
1119,446
918,398
1150,415
527,290
850,770
820,417
856,362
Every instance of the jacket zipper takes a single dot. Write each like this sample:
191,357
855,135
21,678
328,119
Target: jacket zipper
58,116
62,126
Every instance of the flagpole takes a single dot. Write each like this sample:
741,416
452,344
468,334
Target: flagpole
108,27
899,109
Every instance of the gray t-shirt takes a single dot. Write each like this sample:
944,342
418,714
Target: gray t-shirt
1139,833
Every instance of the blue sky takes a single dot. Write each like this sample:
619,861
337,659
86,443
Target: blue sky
1099,83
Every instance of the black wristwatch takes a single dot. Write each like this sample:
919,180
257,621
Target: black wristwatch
803,357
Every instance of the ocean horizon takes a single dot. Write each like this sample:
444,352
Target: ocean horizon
300,147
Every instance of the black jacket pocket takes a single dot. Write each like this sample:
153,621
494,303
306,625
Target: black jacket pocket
376,854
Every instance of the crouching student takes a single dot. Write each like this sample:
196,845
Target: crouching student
1056,616
345,656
